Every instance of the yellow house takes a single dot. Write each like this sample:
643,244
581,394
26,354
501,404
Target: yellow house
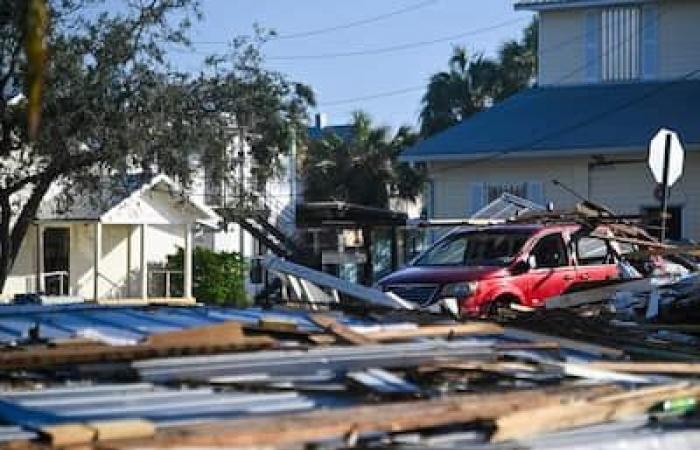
611,74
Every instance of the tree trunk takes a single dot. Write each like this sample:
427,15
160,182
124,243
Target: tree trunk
13,235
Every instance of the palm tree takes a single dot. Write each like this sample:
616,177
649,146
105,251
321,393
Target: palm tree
472,84
464,89
518,63
362,169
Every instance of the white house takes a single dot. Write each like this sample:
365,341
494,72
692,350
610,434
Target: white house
102,246
611,74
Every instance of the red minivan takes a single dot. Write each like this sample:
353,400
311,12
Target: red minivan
482,268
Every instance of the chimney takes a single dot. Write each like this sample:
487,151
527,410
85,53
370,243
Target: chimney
321,121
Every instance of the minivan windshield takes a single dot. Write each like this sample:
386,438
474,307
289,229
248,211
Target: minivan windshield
475,248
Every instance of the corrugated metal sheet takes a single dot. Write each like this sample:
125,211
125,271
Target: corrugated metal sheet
123,324
164,406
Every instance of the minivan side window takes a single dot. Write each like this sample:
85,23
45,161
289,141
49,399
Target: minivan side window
592,251
550,252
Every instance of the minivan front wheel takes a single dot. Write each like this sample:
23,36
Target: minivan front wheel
499,309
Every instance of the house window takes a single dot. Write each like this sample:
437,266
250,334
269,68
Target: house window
493,191
481,194
621,40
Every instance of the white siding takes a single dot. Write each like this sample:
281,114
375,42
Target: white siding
562,47
453,181
667,45
679,38
626,188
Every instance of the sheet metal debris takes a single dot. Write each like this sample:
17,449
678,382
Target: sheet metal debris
613,363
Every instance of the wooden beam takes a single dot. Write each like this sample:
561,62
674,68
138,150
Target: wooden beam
676,368
221,332
531,422
342,332
109,430
68,434
288,429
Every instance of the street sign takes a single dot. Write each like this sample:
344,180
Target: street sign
666,163
657,156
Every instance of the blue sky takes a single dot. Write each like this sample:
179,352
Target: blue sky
338,79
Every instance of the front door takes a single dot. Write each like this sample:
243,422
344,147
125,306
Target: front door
552,272
56,261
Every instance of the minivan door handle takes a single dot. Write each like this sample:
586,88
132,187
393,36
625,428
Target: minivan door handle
568,277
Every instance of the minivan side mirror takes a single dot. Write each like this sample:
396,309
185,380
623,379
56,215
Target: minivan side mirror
521,267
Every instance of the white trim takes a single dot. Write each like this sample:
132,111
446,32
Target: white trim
144,262
97,257
563,152
187,262
548,5
209,213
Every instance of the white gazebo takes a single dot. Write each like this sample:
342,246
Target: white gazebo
100,248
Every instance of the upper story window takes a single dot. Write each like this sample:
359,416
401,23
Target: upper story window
620,39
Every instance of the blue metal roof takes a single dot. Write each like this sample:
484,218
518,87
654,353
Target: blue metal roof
580,119
539,5
344,132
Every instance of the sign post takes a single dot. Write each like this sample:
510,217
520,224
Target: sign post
664,186
666,157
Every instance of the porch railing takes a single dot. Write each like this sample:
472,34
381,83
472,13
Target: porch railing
61,276
165,283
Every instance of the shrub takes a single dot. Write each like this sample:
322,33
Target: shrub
218,277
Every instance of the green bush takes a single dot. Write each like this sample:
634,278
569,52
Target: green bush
218,277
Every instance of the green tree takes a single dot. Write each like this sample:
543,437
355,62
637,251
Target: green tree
111,102
472,84
362,168
217,278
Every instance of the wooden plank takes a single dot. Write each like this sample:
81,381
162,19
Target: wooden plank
531,422
345,334
564,343
109,430
68,434
222,332
676,368
598,294
314,426
272,323
478,328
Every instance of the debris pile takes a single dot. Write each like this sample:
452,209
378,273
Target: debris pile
218,377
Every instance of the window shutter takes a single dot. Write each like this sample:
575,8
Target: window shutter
477,198
592,45
650,39
535,192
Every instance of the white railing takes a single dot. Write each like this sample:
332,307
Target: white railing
63,281
115,289
168,274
